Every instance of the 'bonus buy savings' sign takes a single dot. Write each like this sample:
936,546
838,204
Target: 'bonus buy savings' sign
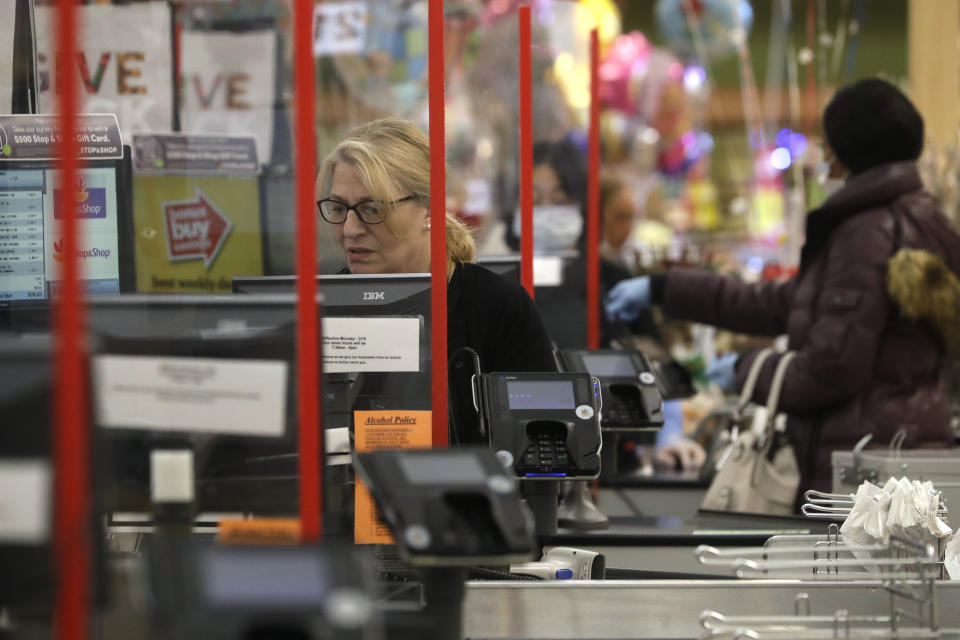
195,229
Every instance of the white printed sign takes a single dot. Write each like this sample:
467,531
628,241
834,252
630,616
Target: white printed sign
371,344
125,64
228,84
547,271
208,395
339,28
7,7
25,499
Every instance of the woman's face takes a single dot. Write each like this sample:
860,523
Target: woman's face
547,188
618,217
401,244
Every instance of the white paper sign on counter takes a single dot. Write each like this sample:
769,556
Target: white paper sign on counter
209,395
371,344
25,495
547,271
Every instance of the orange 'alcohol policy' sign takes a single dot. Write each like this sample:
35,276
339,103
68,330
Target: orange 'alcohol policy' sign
377,430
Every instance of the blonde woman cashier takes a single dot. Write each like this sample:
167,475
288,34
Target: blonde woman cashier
373,192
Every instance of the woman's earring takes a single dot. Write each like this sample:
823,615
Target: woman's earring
427,226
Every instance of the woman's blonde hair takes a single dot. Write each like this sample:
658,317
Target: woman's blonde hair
393,153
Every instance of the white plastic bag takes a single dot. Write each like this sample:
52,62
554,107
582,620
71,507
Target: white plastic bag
902,508
913,513
951,559
867,522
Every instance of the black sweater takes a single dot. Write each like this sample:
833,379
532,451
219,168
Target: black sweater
497,319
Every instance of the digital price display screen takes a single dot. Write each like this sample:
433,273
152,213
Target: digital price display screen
609,365
453,468
32,207
539,394
263,579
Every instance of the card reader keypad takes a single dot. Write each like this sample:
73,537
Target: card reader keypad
623,409
547,450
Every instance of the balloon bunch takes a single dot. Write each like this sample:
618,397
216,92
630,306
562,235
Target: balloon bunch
722,25
649,95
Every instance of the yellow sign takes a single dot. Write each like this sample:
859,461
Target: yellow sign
377,430
193,234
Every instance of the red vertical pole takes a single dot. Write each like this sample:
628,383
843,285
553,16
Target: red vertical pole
593,199
438,224
526,152
71,445
308,334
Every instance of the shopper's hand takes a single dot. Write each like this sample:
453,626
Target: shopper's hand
684,453
723,371
628,298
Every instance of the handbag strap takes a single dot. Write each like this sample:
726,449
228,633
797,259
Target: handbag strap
775,389
751,382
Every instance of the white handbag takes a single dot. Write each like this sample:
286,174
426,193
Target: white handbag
758,471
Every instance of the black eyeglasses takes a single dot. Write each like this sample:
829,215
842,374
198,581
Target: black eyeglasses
369,211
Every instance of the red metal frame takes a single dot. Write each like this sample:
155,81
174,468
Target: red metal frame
438,224
526,152
593,199
71,444
308,333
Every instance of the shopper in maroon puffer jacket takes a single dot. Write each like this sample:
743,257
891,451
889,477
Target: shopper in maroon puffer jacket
863,367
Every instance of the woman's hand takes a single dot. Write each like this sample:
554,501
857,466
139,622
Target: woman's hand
723,371
684,454
628,299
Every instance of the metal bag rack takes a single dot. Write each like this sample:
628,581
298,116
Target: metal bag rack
940,466
906,570
826,557
837,506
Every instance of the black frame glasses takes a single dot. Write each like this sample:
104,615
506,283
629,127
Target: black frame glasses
366,218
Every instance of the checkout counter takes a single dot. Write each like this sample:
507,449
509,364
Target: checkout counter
450,514
662,546
665,493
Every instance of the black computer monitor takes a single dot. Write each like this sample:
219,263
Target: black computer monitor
344,391
381,295
347,294
505,266
156,363
31,246
560,294
385,296
224,592
26,543
28,576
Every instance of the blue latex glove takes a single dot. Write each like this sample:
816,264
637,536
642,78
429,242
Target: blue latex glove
672,429
628,298
723,371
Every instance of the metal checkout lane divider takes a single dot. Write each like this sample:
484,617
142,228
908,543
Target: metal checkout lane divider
803,586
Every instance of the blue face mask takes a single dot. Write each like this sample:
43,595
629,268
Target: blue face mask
556,227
